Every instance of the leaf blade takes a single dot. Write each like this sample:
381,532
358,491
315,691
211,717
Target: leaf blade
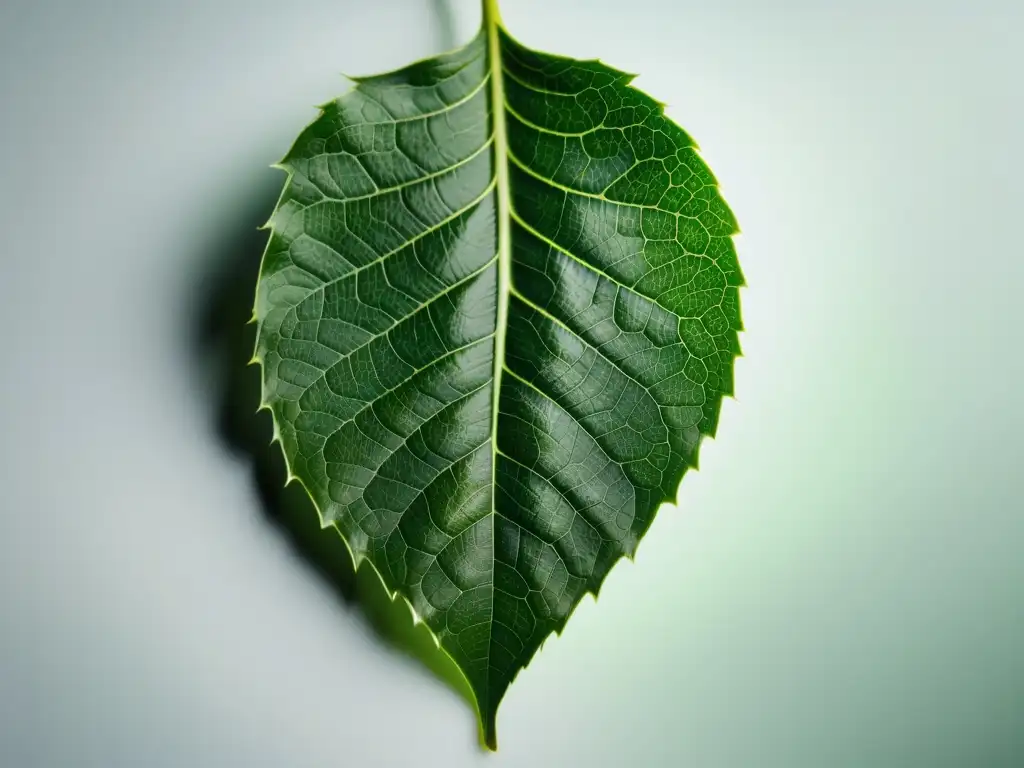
497,312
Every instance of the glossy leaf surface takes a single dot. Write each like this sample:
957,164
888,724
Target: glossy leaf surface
497,312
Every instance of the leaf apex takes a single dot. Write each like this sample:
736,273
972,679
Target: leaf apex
491,731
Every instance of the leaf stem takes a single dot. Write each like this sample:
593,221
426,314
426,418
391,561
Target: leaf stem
492,17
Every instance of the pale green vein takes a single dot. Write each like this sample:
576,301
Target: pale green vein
370,403
552,131
617,365
395,188
596,270
595,195
423,115
384,257
397,322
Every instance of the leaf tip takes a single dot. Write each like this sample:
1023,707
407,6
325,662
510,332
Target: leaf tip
491,732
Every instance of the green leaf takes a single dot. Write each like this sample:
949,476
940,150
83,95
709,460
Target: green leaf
497,312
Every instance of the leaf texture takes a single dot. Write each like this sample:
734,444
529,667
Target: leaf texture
497,312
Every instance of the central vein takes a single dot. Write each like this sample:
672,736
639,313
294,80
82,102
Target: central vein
492,20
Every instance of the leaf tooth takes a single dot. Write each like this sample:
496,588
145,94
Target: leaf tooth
268,225
627,77
358,80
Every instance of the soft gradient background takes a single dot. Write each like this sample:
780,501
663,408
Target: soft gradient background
842,583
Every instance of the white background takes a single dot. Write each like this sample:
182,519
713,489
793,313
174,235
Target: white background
843,583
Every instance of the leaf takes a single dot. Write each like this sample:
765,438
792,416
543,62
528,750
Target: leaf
497,312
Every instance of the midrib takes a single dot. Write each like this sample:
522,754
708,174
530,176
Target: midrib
491,20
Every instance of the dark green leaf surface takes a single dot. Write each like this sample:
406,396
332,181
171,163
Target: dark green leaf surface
497,312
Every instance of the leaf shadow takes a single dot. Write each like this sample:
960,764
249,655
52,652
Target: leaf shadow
221,341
